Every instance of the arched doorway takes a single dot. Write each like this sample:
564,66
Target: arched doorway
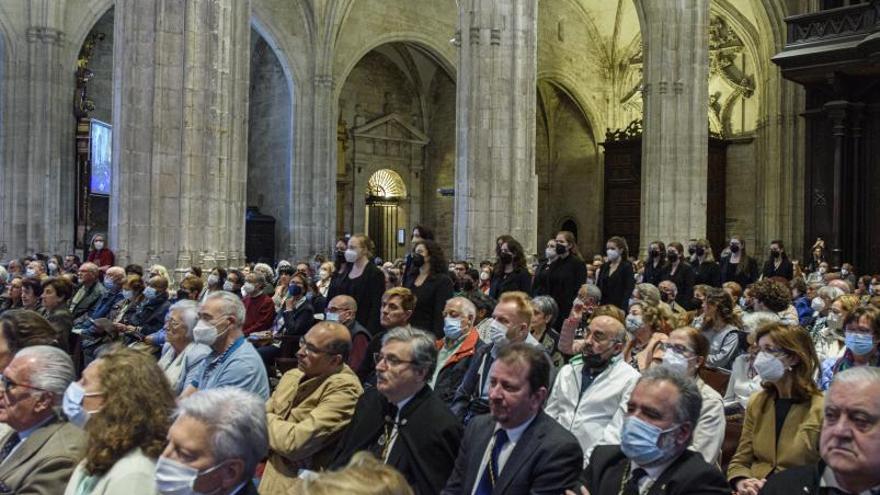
386,213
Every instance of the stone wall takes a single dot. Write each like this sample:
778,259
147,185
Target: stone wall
437,210
269,140
741,187
101,63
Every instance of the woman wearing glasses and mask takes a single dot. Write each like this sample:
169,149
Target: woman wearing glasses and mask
782,421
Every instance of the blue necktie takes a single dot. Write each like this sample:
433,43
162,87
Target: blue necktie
492,473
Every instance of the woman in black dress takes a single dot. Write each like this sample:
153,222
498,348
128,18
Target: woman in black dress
510,272
429,281
562,275
362,280
706,269
681,273
739,267
616,279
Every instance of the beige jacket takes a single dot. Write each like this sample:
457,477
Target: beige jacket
43,463
304,421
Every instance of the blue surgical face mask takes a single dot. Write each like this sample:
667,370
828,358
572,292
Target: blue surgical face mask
643,444
108,284
859,343
127,293
294,290
331,316
498,333
72,404
452,328
150,293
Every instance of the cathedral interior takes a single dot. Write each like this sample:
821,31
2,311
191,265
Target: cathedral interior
209,131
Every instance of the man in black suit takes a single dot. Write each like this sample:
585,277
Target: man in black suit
516,449
401,421
849,444
653,456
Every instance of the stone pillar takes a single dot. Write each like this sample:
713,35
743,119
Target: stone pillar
181,73
314,172
495,181
676,127
37,165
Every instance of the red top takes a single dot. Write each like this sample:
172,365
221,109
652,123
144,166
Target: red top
104,257
259,313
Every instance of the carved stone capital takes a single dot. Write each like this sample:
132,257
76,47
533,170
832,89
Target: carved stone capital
46,35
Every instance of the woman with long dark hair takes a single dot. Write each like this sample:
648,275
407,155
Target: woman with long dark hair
562,275
510,272
738,266
429,281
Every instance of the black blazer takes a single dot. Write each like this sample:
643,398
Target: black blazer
367,290
150,314
652,275
689,474
299,320
431,298
683,278
618,287
506,282
427,441
707,273
561,280
785,270
800,480
746,278
546,460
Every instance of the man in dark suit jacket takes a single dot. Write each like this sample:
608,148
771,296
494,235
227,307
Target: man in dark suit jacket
41,451
652,458
401,420
849,443
517,449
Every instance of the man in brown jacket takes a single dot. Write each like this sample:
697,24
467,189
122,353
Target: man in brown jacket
310,407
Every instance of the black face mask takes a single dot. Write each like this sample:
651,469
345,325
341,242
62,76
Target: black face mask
594,361
506,257
561,250
700,252
734,248
692,250
665,297
418,260
182,295
340,257
774,253
673,256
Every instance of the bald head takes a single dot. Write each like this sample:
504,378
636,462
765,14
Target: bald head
323,349
842,285
611,327
116,274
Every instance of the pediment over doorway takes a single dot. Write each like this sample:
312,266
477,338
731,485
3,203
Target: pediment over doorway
391,127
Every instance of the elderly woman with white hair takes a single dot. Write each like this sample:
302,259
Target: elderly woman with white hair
181,356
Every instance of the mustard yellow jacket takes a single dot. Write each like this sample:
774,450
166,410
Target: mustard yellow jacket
759,454
305,420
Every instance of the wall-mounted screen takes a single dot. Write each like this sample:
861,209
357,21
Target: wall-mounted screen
101,144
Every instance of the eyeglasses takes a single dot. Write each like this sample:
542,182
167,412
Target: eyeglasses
8,384
310,348
392,361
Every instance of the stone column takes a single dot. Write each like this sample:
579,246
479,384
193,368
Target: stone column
36,168
180,131
495,181
676,127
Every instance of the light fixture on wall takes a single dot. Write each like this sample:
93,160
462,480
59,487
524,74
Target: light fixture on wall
446,191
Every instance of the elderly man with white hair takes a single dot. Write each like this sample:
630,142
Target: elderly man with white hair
233,361
214,445
40,453
181,356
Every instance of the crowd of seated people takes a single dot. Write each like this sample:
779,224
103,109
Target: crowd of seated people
691,371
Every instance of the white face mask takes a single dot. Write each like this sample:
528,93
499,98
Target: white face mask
227,286
213,279
835,322
247,289
484,276
769,367
174,478
676,362
612,254
550,253
817,304
351,255
206,333
324,274
99,245
498,333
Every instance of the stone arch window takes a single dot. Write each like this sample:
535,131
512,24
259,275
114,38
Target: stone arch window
386,184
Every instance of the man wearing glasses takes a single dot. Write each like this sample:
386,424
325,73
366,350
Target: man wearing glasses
42,450
310,407
401,421
590,393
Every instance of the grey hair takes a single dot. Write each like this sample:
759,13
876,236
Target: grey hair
189,313
265,270
260,278
830,292
424,350
671,283
232,305
690,402
870,374
546,305
52,369
236,420
593,292
649,293
466,306
756,320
